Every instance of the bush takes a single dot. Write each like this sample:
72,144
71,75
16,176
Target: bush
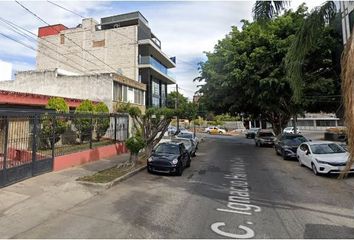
46,134
84,124
135,144
102,122
57,104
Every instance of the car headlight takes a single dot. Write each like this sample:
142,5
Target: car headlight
150,159
321,162
175,161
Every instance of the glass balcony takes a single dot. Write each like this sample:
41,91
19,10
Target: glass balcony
157,65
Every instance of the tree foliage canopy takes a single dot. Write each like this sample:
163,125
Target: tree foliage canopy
246,71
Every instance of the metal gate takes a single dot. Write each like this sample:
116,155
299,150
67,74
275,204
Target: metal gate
20,139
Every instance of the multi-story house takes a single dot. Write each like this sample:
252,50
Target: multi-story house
123,44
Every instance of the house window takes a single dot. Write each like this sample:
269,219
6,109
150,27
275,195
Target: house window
325,123
117,92
130,95
124,94
155,101
163,95
155,90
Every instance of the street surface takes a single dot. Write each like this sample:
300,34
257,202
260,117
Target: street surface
232,189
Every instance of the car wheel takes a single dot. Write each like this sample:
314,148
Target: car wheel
314,169
149,170
276,150
284,156
189,163
300,163
220,132
179,170
256,143
193,154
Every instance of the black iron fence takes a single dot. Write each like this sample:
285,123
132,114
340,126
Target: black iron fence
30,141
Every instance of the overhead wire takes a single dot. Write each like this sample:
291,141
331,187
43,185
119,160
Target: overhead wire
23,32
66,37
64,8
32,48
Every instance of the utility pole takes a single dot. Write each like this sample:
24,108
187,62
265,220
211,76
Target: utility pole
176,107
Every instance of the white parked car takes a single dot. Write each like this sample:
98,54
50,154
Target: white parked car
291,130
323,157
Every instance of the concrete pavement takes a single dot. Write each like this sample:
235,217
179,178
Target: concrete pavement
232,189
32,202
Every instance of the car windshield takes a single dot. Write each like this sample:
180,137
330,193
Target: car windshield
326,148
266,134
184,135
187,143
167,149
294,140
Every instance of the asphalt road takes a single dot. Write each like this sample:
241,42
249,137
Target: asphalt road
232,189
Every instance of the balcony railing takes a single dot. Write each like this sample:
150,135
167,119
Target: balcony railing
156,64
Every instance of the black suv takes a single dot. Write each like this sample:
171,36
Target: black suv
286,144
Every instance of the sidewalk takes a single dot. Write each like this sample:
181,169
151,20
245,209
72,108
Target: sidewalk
26,204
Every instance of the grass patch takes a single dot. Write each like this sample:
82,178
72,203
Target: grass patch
109,174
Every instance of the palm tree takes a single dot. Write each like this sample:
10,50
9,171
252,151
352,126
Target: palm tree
303,42
266,10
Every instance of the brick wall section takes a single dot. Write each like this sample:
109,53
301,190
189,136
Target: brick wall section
83,157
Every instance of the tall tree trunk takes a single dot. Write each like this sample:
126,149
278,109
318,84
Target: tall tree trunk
148,149
133,158
347,76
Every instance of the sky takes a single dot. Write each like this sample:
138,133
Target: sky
187,29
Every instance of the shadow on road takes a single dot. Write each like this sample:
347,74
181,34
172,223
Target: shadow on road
320,231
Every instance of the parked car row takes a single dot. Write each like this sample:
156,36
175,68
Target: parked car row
173,155
322,157
252,132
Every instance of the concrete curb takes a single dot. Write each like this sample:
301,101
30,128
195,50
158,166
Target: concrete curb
115,181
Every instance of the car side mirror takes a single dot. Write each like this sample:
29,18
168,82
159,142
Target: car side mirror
153,150
310,140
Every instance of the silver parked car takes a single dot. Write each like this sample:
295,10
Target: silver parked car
188,143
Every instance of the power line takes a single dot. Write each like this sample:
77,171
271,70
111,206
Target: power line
64,8
28,10
21,31
32,48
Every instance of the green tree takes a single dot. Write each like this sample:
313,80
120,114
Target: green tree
101,122
59,124
150,125
172,97
134,144
84,124
246,71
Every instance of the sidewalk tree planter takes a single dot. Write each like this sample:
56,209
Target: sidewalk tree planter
151,126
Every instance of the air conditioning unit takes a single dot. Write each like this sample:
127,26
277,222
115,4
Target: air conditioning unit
116,25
